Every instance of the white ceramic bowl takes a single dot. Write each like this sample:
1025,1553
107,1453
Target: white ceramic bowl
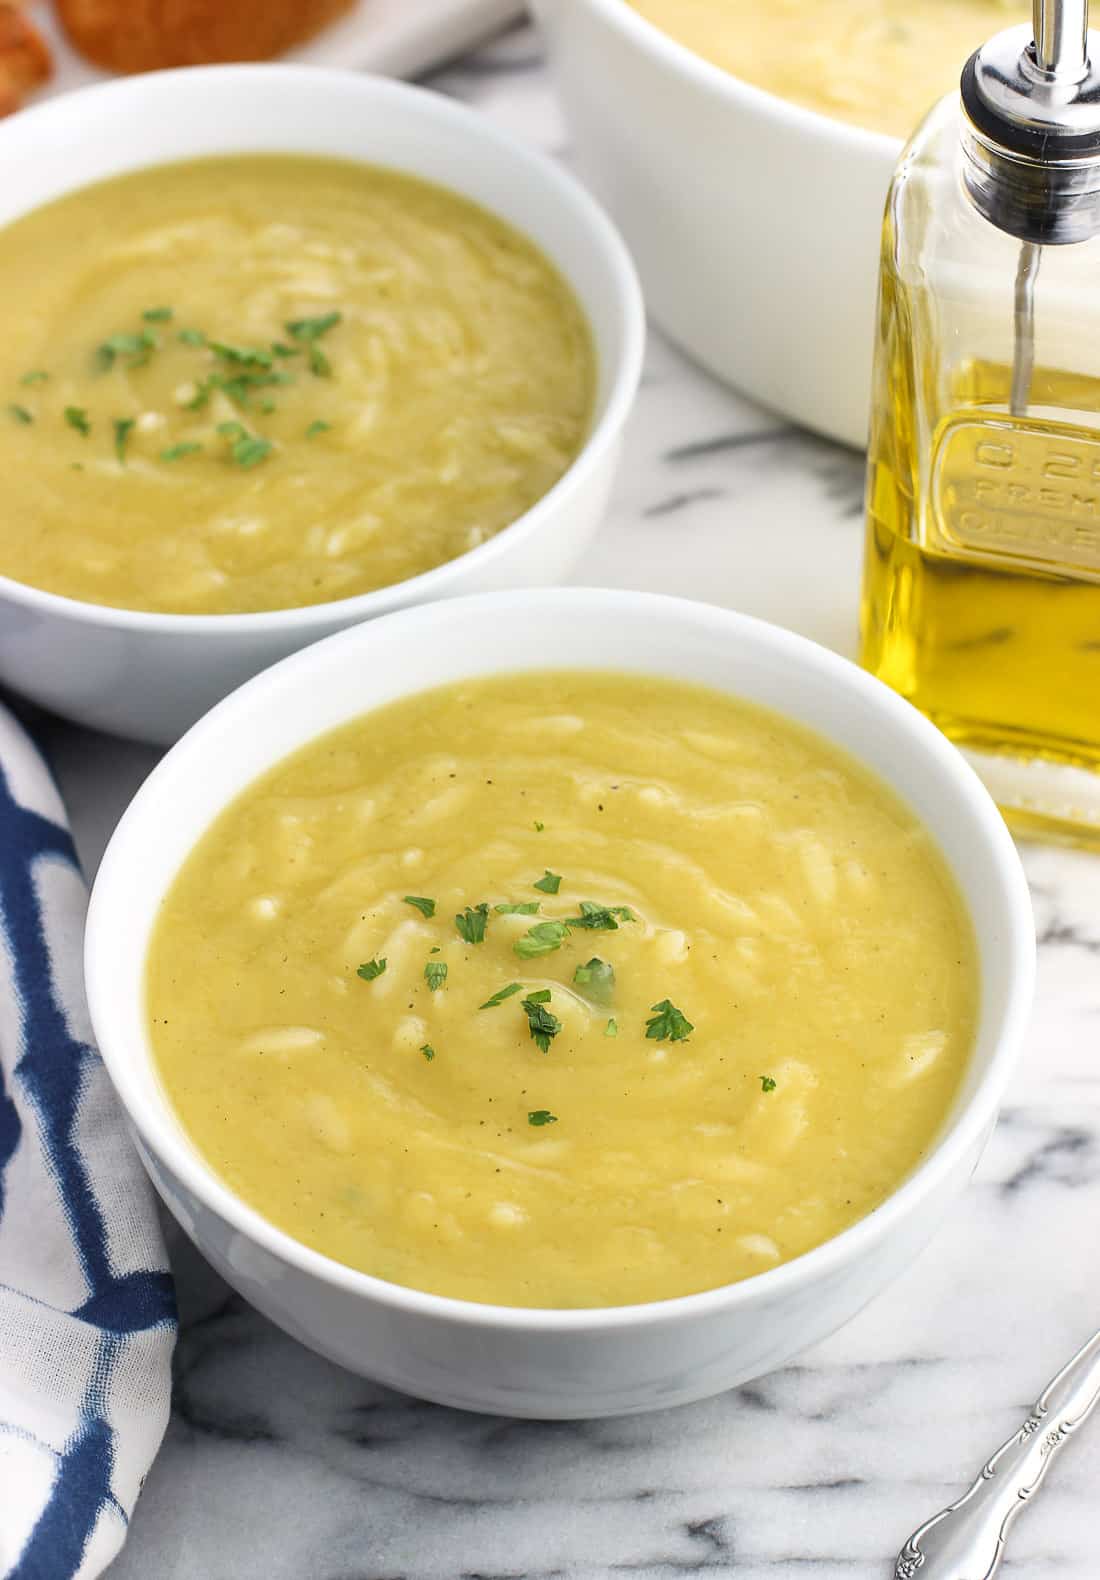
754,223
553,1363
151,675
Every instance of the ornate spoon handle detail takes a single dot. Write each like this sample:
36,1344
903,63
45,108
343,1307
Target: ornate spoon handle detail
966,1541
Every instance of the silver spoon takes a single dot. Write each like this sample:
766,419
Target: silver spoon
966,1541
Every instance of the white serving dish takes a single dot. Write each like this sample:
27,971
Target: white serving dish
151,675
553,1363
754,223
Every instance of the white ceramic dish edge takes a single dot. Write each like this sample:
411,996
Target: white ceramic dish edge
754,222
151,675
554,1363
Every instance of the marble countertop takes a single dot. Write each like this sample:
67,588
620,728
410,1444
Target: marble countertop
279,1466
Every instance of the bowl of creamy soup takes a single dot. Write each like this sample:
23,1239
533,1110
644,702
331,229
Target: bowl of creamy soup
561,1002
294,347
745,153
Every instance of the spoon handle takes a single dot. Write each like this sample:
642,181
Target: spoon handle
966,1541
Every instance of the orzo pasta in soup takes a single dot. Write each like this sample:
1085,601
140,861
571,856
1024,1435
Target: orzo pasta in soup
564,989
265,381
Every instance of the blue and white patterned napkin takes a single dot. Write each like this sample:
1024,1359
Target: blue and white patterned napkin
87,1315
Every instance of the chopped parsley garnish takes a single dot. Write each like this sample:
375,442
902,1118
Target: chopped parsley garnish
428,1051
549,883
524,908
136,347
192,337
435,973
123,427
247,449
767,1084
317,427
77,418
668,1023
424,906
309,331
20,413
176,452
541,1116
539,826
542,939
600,918
502,994
312,328
611,1029
372,969
157,315
598,977
471,923
245,356
543,1022
35,376
282,350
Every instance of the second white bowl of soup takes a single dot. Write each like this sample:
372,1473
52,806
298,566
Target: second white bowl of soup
745,152
311,347
568,1024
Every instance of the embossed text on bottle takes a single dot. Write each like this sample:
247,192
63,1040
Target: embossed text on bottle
1019,490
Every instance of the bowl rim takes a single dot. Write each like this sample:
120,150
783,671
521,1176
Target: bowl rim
562,189
964,1132
719,83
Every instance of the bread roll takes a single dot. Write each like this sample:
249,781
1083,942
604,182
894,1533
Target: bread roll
145,35
24,57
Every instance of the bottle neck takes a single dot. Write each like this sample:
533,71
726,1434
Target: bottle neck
1045,202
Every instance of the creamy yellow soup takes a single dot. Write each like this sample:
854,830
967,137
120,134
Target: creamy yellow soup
267,381
566,989
877,63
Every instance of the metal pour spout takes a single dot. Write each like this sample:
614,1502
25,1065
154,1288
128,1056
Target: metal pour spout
1061,38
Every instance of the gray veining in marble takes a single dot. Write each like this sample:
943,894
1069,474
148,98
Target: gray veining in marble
278,1466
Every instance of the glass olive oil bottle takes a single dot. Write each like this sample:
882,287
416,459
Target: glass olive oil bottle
981,598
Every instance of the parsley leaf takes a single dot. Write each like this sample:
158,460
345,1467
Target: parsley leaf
543,1023
428,1051
425,907
598,977
175,451
123,425
600,918
136,347
157,315
192,337
77,418
502,994
541,1116
549,883
319,364
611,1029
250,452
316,428
471,923
539,826
312,328
20,413
525,908
435,973
245,356
767,1084
668,1022
247,449
372,969
35,376
542,939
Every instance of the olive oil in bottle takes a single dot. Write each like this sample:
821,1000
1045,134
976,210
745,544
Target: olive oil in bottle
981,597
